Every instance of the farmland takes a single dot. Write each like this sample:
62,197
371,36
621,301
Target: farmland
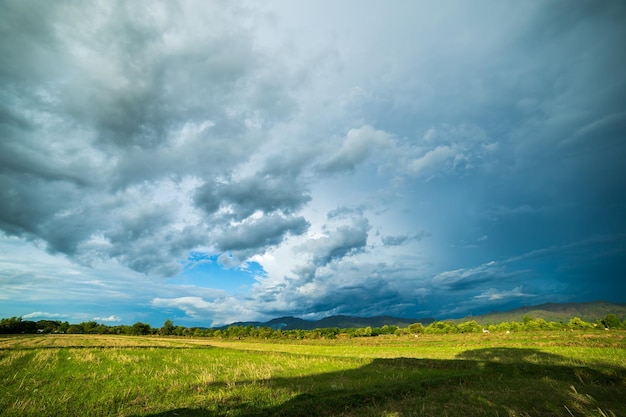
517,374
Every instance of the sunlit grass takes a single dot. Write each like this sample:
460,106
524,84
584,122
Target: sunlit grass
526,374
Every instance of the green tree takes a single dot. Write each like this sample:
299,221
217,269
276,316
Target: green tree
102,329
611,321
139,329
363,331
440,327
328,333
401,332
387,329
471,326
75,329
503,327
168,328
416,328
198,332
89,327
63,327
578,324
531,324
238,331
11,326
552,325
48,326
265,332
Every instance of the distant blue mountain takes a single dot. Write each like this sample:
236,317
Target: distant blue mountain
342,322
551,312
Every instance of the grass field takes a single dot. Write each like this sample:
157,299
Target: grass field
521,374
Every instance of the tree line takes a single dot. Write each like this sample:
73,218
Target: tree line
15,325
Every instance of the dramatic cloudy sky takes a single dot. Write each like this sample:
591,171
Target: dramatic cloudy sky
215,161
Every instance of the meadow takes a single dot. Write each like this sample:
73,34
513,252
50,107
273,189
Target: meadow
517,374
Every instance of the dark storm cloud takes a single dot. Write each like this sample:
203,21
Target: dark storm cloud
143,78
107,102
372,289
38,209
133,81
27,41
143,238
575,271
265,193
340,242
256,234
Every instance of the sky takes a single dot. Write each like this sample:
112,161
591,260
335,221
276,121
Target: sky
213,161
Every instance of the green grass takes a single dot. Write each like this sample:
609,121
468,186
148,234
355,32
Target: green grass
524,374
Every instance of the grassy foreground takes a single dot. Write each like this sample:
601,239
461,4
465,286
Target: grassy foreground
523,374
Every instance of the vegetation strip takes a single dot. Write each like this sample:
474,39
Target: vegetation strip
15,325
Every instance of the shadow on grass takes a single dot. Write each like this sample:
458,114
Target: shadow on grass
496,381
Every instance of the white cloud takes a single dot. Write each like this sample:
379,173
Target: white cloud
359,145
44,315
432,158
466,278
189,304
111,318
494,294
220,311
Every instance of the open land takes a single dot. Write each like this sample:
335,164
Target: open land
518,374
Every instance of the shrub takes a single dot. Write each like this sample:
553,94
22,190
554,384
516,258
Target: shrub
578,324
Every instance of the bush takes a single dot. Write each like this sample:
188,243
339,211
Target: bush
416,328
440,327
578,324
611,321
470,327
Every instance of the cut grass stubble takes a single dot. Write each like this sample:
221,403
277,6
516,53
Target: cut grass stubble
522,374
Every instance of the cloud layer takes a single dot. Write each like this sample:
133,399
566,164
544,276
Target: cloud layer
414,159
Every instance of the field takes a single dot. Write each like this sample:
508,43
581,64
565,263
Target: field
517,374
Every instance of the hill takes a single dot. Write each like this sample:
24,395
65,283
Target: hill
558,312
342,322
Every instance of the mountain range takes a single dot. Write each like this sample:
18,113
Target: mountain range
559,312
342,322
